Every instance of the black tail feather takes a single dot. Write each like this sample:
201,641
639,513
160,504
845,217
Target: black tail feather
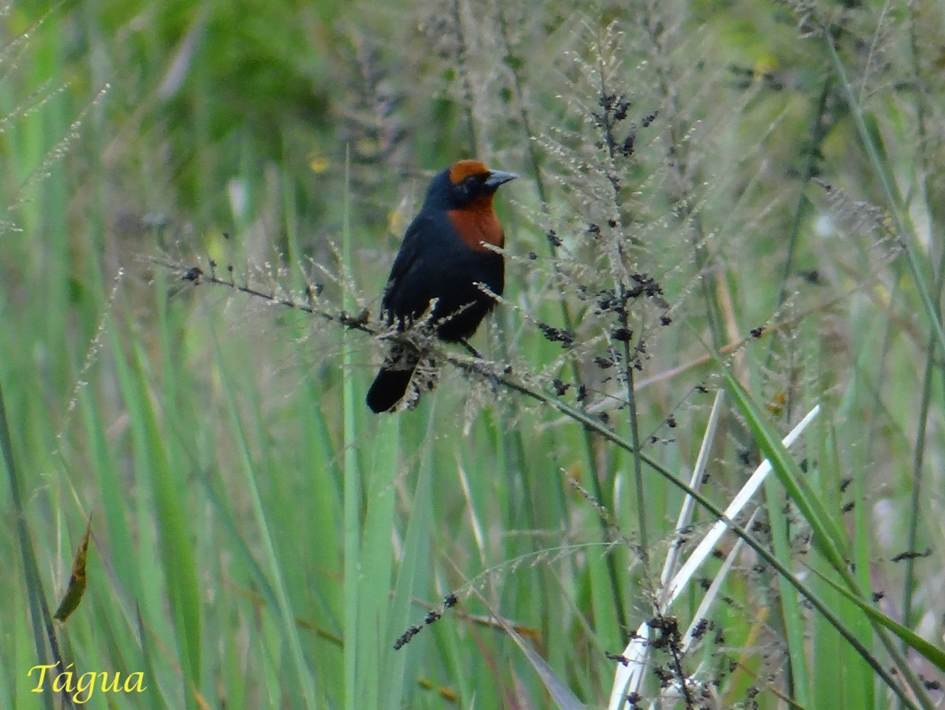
389,388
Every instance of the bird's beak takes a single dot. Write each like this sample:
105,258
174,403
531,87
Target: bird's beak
497,177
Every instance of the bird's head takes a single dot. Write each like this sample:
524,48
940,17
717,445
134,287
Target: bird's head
466,183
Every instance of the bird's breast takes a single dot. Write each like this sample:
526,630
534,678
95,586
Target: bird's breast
477,226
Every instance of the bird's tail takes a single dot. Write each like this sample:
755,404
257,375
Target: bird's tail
392,380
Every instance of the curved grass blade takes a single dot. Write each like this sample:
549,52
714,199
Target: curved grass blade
558,690
929,651
828,537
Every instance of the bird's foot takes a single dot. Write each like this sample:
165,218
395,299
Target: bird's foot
470,349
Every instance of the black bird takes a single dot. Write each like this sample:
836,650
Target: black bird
442,256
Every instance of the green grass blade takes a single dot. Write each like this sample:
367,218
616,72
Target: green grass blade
934,654
176,536
39,615
412,573
289,629
827,534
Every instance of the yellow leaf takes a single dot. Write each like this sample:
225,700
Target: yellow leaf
318,164
396,222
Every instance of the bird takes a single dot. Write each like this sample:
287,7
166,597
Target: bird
446,251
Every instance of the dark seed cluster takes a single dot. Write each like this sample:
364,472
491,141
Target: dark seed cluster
406,636
614,109
560,387
619,658
557,335
432,616
912,555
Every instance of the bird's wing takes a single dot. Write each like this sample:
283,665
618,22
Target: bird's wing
408,258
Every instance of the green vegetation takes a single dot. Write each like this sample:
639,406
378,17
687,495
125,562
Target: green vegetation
729,215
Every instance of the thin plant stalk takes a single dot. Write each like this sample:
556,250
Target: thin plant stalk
566,317
919,451
607,128
918,457
352,474
654,32
39,609
905,229
462,55
514,451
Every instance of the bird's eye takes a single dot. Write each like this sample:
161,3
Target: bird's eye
474,182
